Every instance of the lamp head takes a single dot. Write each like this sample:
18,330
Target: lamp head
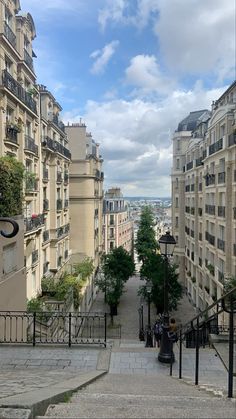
167,244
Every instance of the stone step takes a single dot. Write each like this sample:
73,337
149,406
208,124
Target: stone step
139,406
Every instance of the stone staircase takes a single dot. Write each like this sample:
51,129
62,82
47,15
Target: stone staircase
133,390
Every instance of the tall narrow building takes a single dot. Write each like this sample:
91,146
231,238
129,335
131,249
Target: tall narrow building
86,198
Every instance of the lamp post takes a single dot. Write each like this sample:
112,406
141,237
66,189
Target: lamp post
149,337
167,245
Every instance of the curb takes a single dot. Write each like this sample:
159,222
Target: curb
35,403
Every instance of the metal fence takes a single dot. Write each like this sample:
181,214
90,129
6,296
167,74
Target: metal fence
55,328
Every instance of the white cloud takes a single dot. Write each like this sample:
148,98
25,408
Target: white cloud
198,37
135,137
144,73
102,57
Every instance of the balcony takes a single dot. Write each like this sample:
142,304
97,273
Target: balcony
221,244
199,161
221,211
30,145
58,123
60,232
189,165
28,60
46,236
210,179
210,209
221,177
213,148
59,204
17,90
33,223
35,256
45,205
9,34
210,238
232,139
55,147
11,135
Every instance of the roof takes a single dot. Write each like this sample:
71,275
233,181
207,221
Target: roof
190,122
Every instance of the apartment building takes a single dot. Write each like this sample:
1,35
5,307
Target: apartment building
30,131
86,198
118,226
204,199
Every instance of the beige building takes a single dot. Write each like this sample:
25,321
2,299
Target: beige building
30,130
204,199
86,198
118,226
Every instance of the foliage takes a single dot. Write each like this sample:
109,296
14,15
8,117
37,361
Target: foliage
48,285
30,179
156,269
11,186
146,243
229,285
117,267
84,268
66,283
34,305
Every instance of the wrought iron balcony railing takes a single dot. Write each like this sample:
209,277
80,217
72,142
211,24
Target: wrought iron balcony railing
9,34
14,87
55,147
34,222
11,135
29,60
30,145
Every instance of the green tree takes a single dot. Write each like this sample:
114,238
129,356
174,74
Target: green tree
156,270
146,243
117,267
84,268
11,186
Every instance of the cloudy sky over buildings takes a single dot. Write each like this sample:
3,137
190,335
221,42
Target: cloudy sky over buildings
132,69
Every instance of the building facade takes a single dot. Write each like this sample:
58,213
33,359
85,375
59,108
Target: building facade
204,199
118,226
31,132
86,199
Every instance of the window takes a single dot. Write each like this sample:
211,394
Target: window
9,258
8,17
111,219
111,245
178,145
33,281
9,114
8,65
177,164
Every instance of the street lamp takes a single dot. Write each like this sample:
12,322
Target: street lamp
149,338
167,245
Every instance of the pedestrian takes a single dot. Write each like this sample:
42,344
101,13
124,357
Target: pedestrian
157,330
172,334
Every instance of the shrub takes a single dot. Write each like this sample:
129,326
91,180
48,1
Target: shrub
11,186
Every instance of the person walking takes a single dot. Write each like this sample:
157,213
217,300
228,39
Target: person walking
157,330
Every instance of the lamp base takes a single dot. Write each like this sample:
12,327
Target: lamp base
166,354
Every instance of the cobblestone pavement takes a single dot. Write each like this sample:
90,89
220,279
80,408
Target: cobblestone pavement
23,369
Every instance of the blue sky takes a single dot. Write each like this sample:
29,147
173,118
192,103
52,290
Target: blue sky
132,69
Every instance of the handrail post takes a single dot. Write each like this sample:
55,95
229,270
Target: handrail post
180,354
69,340
105,330
197,354
231,348
34,327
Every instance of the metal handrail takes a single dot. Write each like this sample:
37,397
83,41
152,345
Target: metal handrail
190,326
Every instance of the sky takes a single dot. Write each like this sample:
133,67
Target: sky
132,70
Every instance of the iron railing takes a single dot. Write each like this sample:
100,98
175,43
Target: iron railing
53,328
14,87
197,332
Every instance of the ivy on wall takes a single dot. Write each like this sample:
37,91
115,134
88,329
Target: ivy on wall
11,186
